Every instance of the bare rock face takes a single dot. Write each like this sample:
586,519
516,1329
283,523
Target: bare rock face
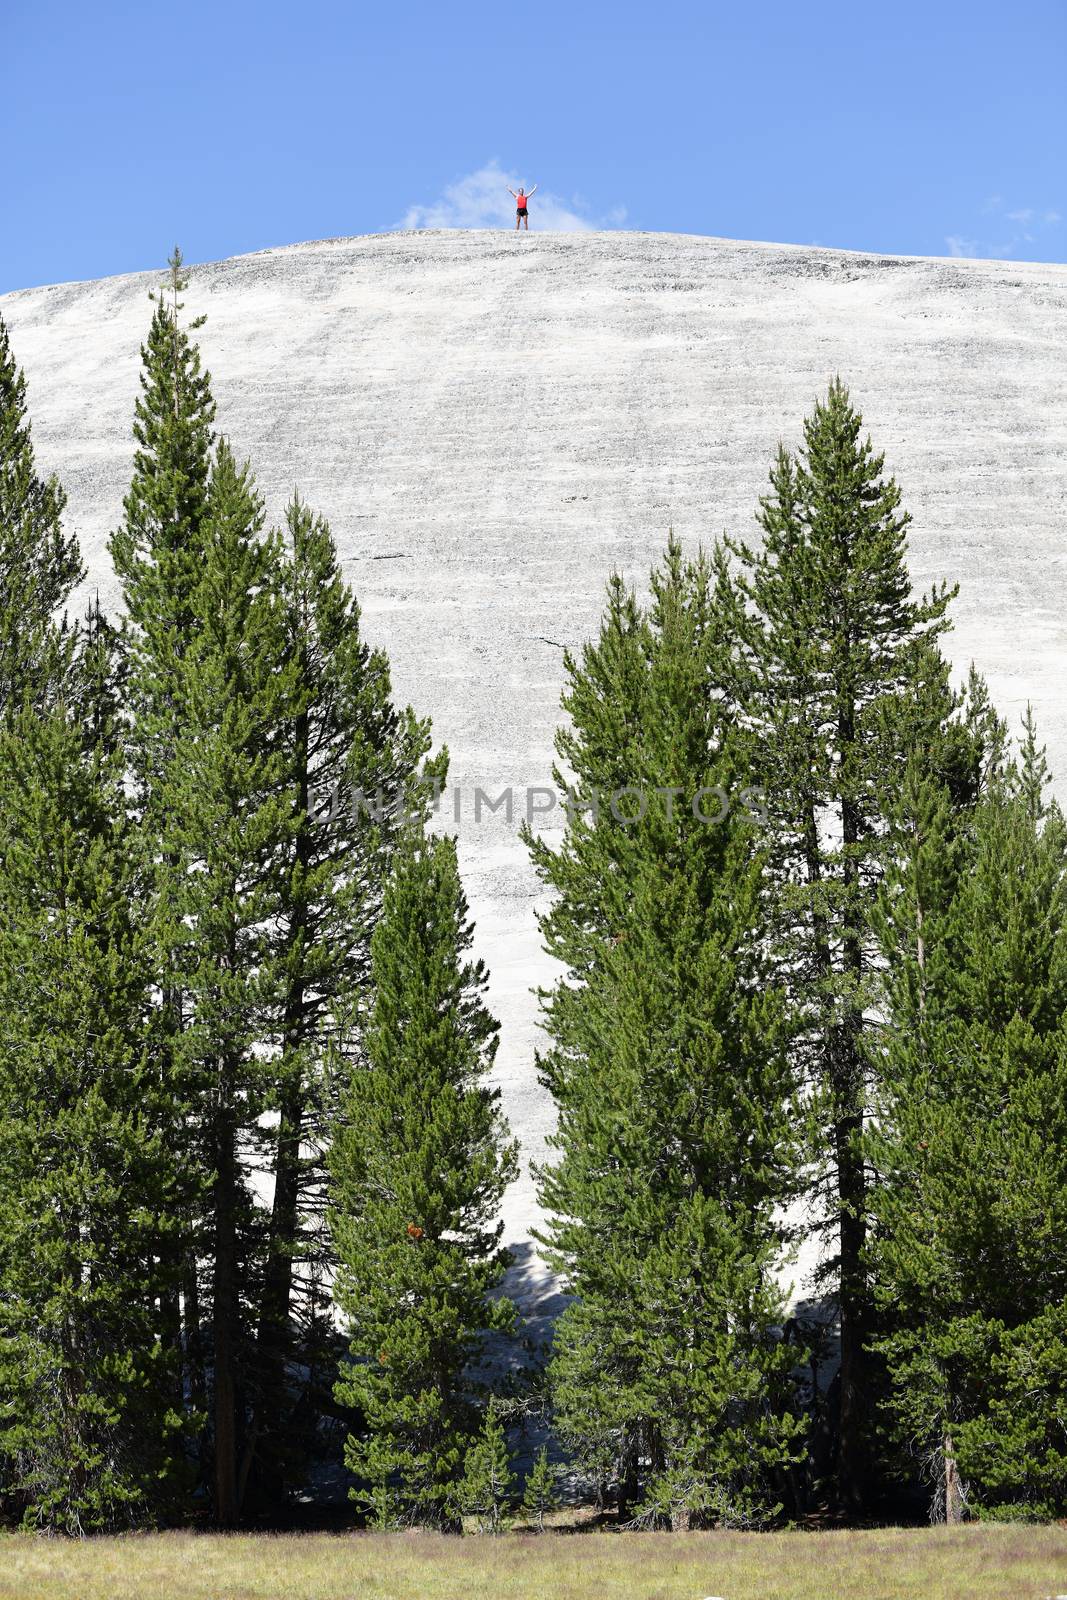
492,422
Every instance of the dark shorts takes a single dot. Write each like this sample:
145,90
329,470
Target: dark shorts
520,211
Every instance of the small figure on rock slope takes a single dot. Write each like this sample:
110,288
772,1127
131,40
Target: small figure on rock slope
521,213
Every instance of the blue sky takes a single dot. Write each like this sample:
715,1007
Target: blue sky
227,126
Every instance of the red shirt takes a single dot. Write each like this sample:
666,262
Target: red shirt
520,200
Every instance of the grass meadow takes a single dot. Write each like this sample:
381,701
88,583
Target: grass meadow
974,1562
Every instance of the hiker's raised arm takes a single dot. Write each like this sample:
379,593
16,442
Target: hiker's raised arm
533,190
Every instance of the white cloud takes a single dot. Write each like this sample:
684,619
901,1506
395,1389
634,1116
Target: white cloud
1028,220
481,200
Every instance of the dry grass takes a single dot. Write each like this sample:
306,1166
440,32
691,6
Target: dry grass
970,1563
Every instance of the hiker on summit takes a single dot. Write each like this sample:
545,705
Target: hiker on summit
521,213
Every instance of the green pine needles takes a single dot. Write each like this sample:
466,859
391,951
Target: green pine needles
39,562
488,1489
674,1085
540,1495
419,1165
971,1144
839,678
89,1150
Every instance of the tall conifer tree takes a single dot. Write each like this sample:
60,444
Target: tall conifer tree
671,1075
230,809
157,552
419,1165
87,1435
88,1164
971,1207
841,678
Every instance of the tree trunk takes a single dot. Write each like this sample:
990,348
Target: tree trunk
273,1333
194,1350
851,1465
273,1338
173,1248
953,1487
628,1484
848,1130
171,1317
224,1321
843,1074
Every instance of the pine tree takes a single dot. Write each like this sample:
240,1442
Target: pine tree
540,1495
419,1164
488,1488
157,553
88,1168
669,1069
230,808
1032,774
344,738
841,677
969,1143
39,563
